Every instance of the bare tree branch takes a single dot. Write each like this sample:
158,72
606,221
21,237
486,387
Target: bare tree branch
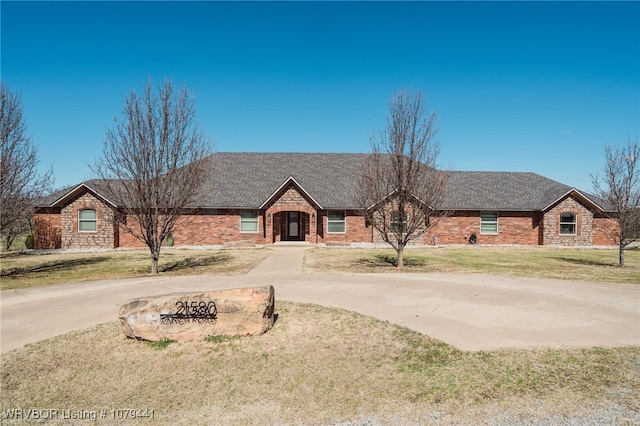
152,163
619,185
20,182
398,185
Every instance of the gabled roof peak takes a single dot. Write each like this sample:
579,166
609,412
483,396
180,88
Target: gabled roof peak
290,180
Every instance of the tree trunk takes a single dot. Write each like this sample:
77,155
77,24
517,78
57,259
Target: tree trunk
621,255
155,255
400,262
8,240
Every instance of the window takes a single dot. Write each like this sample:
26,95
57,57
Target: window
248,220
87,220
489,223
398,222
336,221
567,224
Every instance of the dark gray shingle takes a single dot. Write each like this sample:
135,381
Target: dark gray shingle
247,180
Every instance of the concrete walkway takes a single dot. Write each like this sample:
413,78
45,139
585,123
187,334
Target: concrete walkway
472,312
286,260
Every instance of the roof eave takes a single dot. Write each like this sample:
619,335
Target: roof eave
581,195
61,201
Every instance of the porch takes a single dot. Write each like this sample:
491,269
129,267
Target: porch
294,225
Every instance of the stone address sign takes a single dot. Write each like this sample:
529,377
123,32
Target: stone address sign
195,316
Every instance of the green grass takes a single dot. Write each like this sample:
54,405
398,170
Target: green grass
18,242
220,339
161,344
597,265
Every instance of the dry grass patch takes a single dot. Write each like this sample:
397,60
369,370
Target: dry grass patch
18,270
316,366
597,265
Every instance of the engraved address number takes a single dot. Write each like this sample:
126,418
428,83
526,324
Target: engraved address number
194,311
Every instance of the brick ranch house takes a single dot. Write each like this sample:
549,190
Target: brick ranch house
271,197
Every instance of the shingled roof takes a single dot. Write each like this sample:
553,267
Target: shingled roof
248,180
57,198
514,191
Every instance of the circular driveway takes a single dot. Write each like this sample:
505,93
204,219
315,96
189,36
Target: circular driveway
471,312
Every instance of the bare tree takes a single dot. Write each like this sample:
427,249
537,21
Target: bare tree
152,163
398,186
20,182
619,185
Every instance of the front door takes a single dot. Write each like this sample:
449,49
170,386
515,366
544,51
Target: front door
293,226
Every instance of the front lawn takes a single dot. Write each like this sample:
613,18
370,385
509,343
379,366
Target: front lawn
320,366
19,270
598,265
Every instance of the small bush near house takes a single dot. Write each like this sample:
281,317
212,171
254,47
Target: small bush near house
29,242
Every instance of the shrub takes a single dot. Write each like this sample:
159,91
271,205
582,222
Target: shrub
29,241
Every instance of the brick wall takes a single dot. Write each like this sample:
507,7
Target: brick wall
584,224
47,230
105,234
606,231
198,229
518,228
356,229
224,226
290,199
59,228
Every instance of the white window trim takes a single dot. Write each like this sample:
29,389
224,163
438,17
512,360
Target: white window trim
251,220
88,221
574,223
497,222
337,221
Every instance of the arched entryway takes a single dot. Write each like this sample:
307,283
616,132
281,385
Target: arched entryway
291,215
292,225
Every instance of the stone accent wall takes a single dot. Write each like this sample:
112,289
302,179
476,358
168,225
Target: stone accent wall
415,239
105,235
291,198
517,228
47,231
584,224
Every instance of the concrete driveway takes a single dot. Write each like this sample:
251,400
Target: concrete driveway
471,312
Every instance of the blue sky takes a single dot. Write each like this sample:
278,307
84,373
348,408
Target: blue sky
518,86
